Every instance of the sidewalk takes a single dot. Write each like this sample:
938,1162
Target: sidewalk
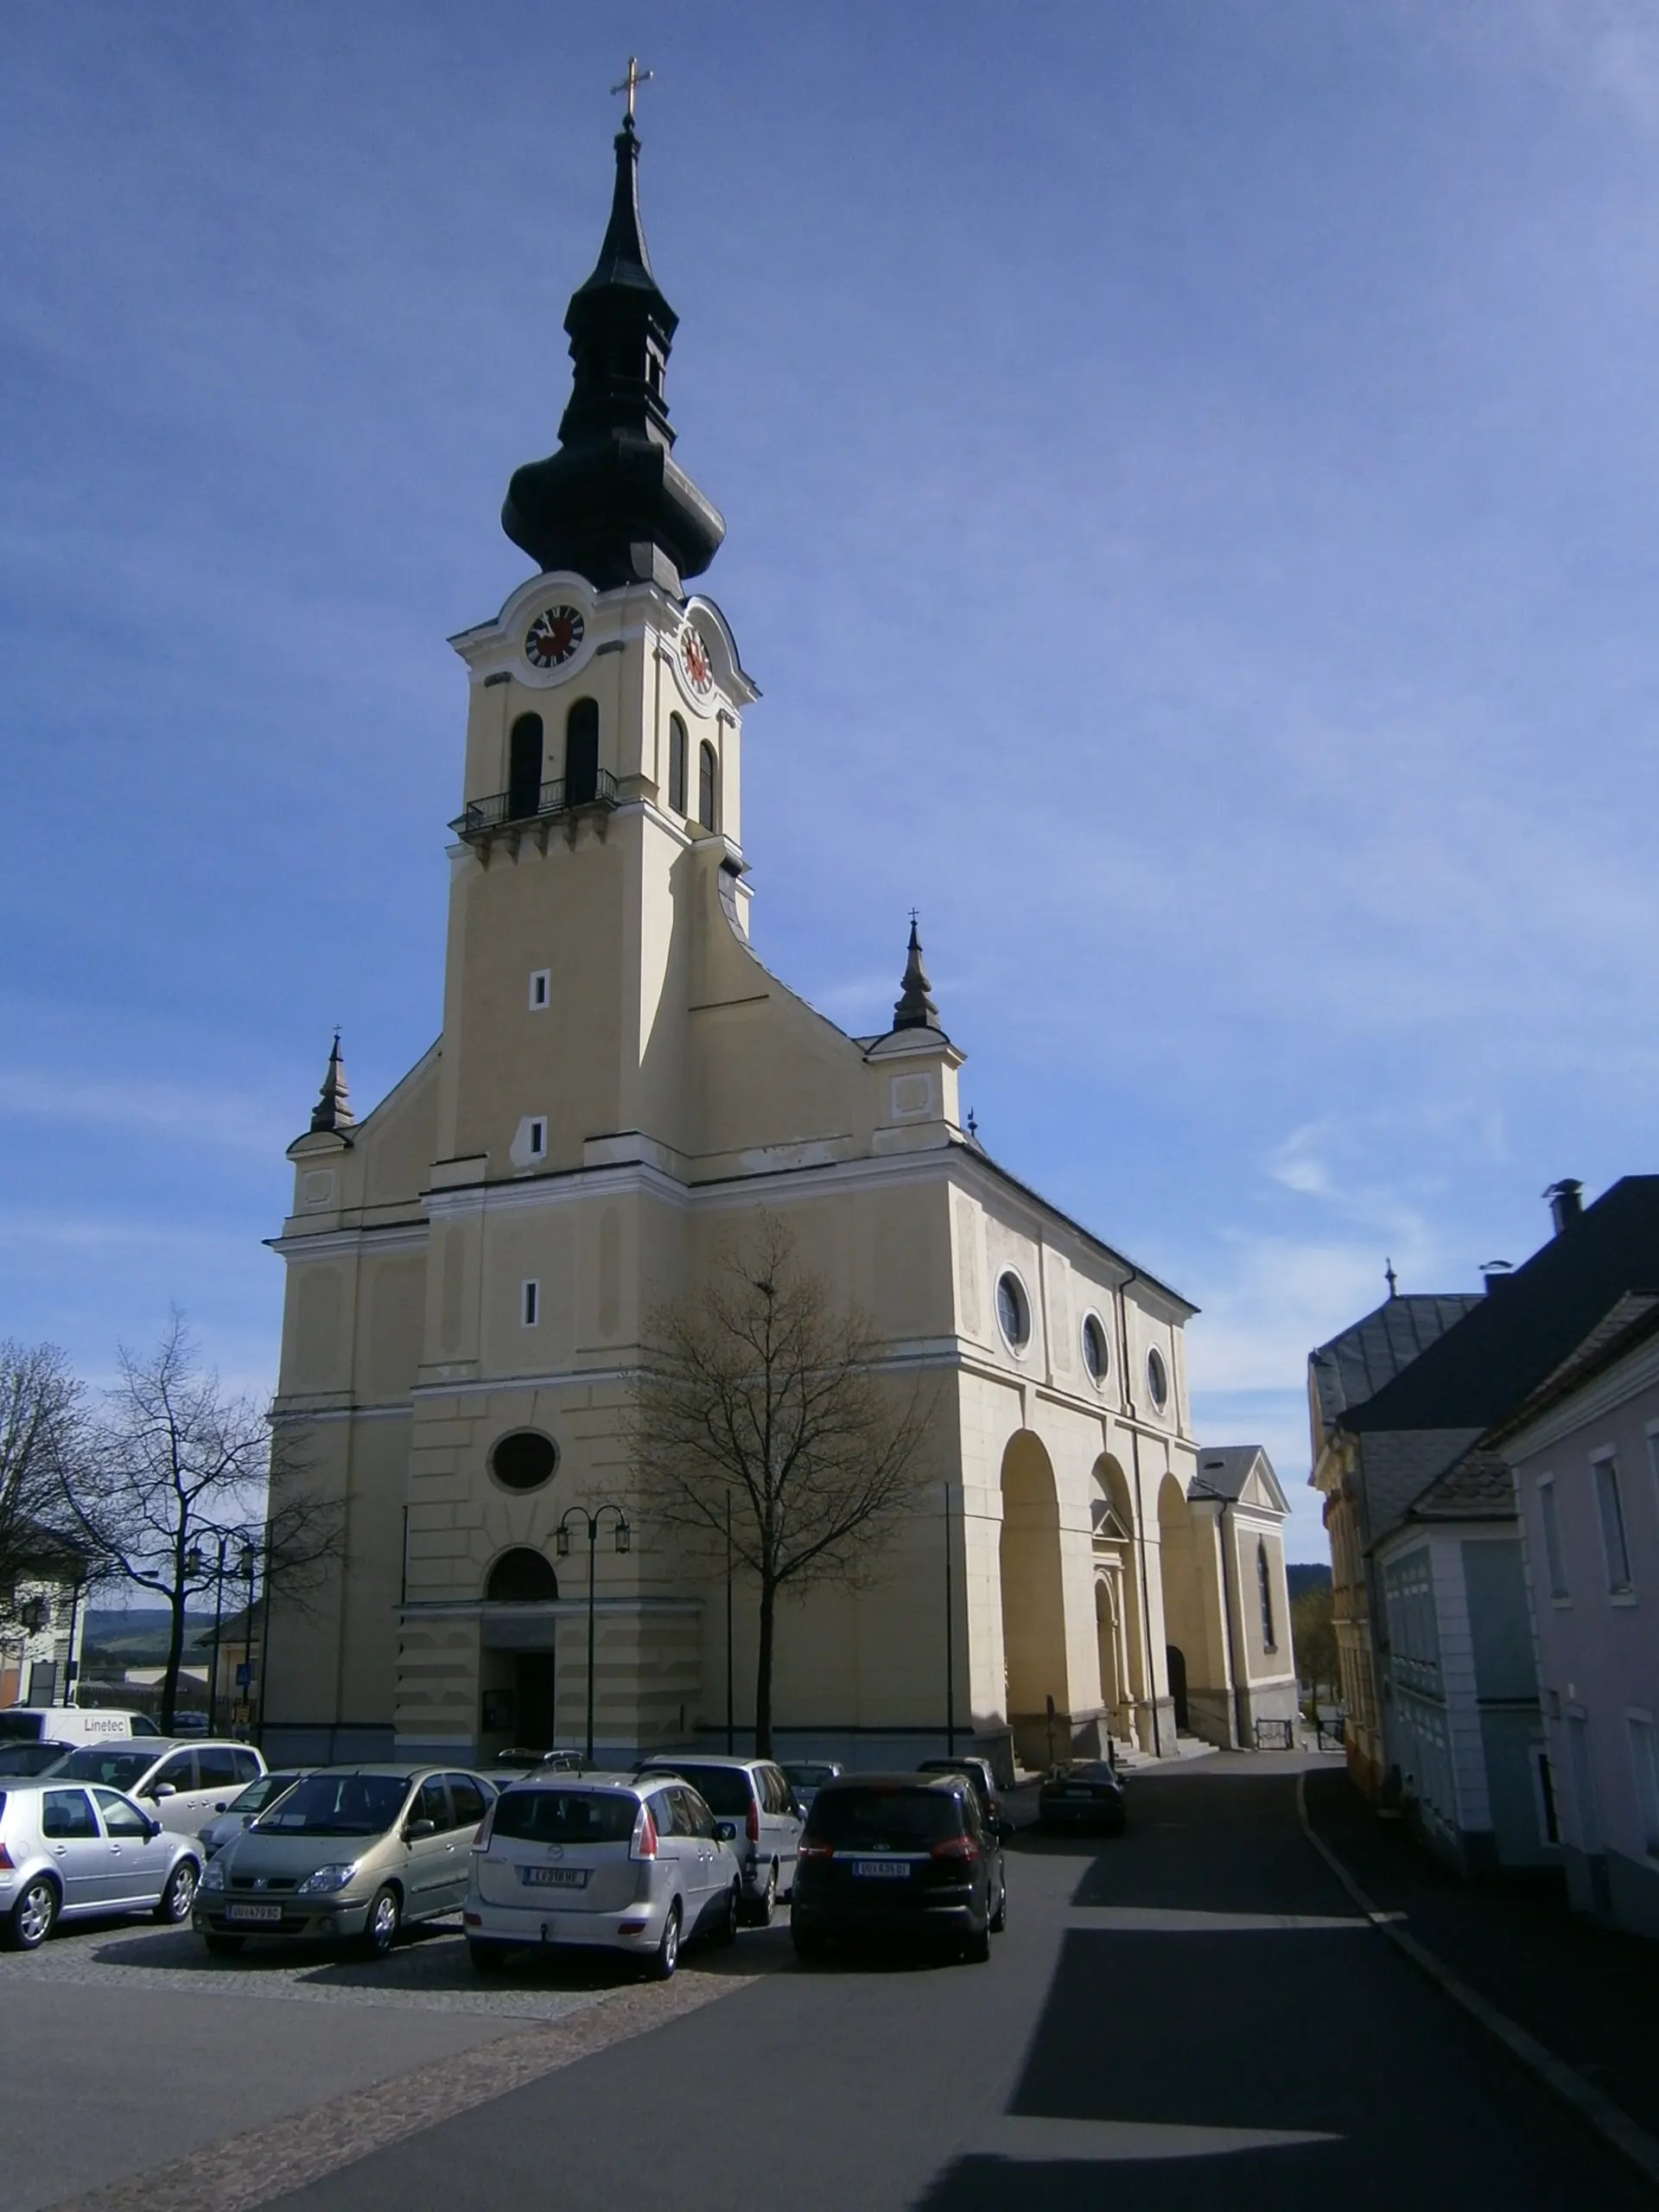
1589,1995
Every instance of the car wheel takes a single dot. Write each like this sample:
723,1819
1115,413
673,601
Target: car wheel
977,1947
762,1908
999,1918
487,1958
668,1951
224,1946
174,1903
725,1929
380,1928
30,1920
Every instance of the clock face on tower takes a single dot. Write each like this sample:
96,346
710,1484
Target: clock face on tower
553,637
694,656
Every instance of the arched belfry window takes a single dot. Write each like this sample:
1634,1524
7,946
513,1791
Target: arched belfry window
521,1577
676,763
524,767
708,786
1264,1589
582,754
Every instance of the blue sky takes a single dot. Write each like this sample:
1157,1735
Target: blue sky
1190,470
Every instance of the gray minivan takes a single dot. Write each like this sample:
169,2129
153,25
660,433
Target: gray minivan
754,1798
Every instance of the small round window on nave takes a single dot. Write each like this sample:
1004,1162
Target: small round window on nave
524,1460
1012,1314
1095,1358
1157,1378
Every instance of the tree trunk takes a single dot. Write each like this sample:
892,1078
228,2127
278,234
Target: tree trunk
763,1671
174,1656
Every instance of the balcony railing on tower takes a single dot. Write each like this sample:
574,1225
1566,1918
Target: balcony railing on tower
487,817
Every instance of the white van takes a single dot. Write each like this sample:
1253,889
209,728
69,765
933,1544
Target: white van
71,1724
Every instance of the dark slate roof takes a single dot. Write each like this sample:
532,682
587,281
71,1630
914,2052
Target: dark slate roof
1223,1469
1631,1322
1354,1366
1516,1336
1477,1487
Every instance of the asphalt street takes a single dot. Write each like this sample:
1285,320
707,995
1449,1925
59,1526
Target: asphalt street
1191,2015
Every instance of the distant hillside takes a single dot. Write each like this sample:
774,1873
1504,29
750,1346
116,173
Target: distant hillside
139,1638
1307,1577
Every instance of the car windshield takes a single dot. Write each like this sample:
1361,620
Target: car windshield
566,1815
725,1789
29,1759
262,1792
807,1776
875,1819
20,1727
1090,1771
339,1804
116,1769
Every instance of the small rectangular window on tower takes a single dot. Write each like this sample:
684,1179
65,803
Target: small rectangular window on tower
538,1138
539,985
532,1304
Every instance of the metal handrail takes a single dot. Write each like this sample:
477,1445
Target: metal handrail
481,816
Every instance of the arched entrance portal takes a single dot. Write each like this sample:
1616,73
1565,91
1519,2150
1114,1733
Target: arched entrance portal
1117,1617
517,1701
1033,1605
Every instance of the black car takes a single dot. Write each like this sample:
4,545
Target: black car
978,1771
1086,1796
900,1859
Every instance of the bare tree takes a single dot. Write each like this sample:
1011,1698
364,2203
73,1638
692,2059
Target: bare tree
180,1483
762,1410
42,1447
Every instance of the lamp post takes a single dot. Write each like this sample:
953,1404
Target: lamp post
624,1543
247,1563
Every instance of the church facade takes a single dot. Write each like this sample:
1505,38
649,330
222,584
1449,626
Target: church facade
620,1086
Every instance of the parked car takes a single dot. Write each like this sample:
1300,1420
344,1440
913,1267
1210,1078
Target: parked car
754,1798
348,1853
68,1851
807,1777
900,1859
629,1863
233,1816
978,1771
72,1724
1087,1795
33,1758
181,1785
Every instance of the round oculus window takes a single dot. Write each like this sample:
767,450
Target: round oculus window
1012,1311
1095,1357
1157,1378
524,1460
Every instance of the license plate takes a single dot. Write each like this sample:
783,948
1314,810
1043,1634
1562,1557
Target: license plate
554,1877
1077,1793
253,1912
883,1870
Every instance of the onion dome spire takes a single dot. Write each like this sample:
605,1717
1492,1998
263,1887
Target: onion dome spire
612,503
333,1111
914,1008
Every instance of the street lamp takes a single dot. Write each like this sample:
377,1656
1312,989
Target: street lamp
624,1543
246,1565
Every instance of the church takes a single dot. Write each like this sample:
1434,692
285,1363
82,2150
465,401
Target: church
619,1086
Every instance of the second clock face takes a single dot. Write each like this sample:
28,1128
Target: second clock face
553,637
695,655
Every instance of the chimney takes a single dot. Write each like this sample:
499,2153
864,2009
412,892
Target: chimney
1565,1204
1495,1273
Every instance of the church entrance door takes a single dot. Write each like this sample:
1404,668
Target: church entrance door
1175,1658
534,1704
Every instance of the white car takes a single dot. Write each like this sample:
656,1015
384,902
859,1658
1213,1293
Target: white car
182,1785
613,1861
755,1800
68,1851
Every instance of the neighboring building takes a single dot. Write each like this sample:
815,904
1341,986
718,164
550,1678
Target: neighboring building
1427,1570
620,1084
1584,1450
1243,1691
42,1621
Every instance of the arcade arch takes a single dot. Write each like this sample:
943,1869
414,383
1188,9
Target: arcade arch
1034,1600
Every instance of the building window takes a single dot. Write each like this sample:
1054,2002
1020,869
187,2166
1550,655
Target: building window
1014,1312
1554,1558
530,1304
1644,1765
538,1137
1264,1591
582,754
524,767
1095,1357
1157,1378
676,763
1612,1508
538,988
525,1459
708,786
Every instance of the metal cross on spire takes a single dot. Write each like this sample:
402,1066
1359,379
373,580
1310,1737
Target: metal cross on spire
630,85
1391,1278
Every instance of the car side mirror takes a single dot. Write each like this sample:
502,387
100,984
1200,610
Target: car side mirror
1005,1831
152,1829
159,1790
726,1831
416,1830
223,1805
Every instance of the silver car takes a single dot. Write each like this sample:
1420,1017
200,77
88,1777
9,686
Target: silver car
348,1853
68,1851
613,1861
230,1816
754,1799
181,1785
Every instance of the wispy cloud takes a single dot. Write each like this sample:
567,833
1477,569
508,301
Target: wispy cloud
241,1125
